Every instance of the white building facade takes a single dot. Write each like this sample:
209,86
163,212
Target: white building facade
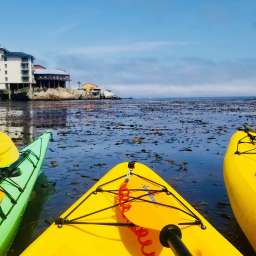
16,70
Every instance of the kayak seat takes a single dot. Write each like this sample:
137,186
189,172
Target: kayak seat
13,169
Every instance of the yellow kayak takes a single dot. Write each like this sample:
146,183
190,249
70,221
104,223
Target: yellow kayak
240,180
131,211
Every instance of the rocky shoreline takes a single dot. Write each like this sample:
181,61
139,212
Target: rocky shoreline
58,94
53,94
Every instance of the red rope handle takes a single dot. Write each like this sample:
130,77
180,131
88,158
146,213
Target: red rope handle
140,232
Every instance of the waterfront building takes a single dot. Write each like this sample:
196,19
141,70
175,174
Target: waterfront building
21,80
16,71
50,78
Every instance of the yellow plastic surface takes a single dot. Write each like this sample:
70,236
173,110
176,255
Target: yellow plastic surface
1,195
81,239
89,87
162,215
8,151
240,181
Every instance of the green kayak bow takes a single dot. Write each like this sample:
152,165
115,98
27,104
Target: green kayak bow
16,184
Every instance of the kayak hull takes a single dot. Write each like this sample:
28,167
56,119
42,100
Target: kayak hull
240,180
13,207
94,239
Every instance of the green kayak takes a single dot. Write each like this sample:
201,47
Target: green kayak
16,184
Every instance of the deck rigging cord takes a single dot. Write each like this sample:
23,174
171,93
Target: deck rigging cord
7,174
244,140
140,232
123,203
123,199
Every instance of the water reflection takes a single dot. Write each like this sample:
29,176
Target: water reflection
22,119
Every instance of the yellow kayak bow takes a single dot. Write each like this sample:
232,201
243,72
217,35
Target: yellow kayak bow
123,214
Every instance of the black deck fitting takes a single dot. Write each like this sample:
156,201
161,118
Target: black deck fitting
131,164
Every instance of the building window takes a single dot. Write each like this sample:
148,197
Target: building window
5,72
5,65
6,79
5,58
24,66
24,72
25,79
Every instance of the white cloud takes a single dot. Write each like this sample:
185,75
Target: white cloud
64,29
143,69
235,88
135,47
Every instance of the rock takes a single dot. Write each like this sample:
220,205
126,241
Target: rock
56,94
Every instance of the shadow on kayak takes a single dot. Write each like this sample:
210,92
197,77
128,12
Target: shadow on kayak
131,242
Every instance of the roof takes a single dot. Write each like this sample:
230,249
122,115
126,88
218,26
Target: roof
16,54
37,66
19,54
50,72
2,49
90,86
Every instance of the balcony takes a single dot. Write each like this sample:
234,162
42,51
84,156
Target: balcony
25,72
24,66
25,78
24,60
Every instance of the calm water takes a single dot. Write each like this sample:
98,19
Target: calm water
183,140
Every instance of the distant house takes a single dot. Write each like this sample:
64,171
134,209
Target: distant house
91,89
95,91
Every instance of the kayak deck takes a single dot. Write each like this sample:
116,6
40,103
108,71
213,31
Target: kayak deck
240,179
99,222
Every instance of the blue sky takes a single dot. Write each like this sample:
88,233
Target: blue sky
141,47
